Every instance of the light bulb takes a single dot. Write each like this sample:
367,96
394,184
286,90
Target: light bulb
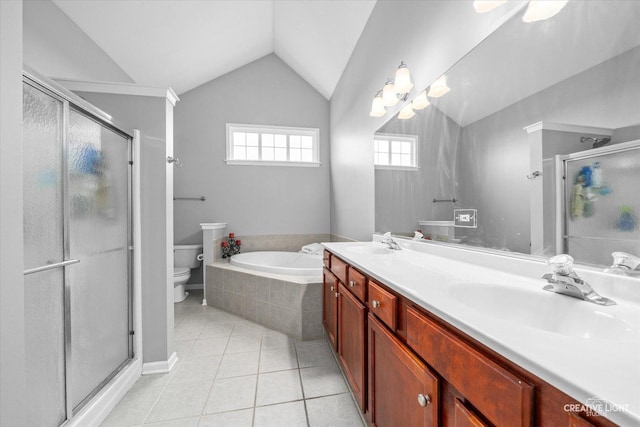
403,79
539,10
420,102
389,97
439,87
406,112
482,6
377,107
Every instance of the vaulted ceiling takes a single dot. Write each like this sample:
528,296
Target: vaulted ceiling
185,43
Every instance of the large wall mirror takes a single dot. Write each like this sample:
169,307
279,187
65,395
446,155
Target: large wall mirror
513,141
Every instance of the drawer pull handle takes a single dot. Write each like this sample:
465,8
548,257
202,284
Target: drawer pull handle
423,400
352,283
375,304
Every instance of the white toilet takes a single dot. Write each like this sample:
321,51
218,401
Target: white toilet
185,257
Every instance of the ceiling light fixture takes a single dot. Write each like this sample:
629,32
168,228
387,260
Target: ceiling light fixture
420,102
539,10
483,6
439,87
377,106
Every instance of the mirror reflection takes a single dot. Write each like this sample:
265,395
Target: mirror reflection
530,136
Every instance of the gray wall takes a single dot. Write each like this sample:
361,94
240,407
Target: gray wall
152,116
13,398
253,200
430,37
56,47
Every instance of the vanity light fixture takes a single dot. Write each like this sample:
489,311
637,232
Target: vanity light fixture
403,79
482,6
389,97
439,87
377,106
539,10
393,92
420,102
406,112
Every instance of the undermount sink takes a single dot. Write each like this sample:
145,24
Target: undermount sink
369,249
547,311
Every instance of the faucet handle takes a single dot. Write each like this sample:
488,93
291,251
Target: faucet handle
561,264
623,259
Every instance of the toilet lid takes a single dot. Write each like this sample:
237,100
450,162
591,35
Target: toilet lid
181,271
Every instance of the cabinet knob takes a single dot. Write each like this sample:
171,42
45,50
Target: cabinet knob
337,294
352,283
423,400
375,304
332,288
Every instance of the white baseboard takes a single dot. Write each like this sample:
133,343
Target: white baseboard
103,403
190,286
161,367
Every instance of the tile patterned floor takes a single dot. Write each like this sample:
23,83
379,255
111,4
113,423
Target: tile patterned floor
232,372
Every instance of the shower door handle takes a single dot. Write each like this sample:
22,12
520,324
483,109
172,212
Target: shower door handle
51,266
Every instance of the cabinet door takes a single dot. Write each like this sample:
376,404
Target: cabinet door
352,317
402,390
330,306
464,417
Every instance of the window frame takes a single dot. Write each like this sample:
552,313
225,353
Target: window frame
389,137
289,131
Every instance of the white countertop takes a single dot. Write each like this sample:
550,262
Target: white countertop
605,368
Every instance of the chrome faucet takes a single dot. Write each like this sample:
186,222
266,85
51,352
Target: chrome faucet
565,281
624,264
388,240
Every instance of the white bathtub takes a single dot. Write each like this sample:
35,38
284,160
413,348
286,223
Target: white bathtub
292,263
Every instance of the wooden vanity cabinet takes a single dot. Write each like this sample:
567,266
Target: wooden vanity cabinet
345,320
352,326
393,351
330,306
500,396
402,389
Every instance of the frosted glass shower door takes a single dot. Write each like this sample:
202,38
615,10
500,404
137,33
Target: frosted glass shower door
98,170
602,203
77,228
44,257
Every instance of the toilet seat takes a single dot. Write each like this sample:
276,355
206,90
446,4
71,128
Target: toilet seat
181,271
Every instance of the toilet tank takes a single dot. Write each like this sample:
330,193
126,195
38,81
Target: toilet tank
185,255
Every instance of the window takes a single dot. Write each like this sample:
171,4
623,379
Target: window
395,151
272,145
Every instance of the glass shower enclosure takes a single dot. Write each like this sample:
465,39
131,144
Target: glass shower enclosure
601,203
77,251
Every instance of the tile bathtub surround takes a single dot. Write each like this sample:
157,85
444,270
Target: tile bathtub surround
250,376
275,242
291,308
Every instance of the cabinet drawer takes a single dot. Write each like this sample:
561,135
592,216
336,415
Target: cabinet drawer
326,258
357,284
502,398
339,268
383,304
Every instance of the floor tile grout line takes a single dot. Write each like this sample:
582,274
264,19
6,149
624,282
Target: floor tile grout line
304,400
